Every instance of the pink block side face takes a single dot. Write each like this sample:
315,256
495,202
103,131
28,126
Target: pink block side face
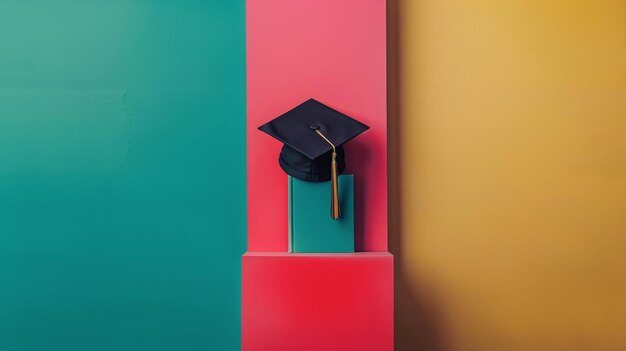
317,302
333,51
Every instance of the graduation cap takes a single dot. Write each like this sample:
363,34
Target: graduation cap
313,135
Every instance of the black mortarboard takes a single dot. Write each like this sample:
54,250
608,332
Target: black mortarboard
313,135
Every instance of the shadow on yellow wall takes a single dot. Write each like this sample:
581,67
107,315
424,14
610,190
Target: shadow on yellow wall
508,174
417,324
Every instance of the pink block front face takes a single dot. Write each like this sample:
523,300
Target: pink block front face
313,302
333,51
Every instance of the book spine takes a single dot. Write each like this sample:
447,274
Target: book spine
290,212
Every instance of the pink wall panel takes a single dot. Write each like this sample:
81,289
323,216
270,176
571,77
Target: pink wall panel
333,51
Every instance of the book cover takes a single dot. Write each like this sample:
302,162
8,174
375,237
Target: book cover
311,229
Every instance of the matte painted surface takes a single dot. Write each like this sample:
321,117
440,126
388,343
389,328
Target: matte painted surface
291,57
117,230
311,228
513,185
312,302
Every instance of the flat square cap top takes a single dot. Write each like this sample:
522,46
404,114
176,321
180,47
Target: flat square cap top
296,128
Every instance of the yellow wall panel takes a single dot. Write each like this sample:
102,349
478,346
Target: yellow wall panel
508,178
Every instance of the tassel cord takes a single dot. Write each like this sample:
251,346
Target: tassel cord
335,211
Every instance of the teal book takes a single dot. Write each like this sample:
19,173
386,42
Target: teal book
311,229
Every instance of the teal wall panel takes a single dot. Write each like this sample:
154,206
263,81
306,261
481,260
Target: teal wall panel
122,174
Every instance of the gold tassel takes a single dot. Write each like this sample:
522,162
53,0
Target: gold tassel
335,211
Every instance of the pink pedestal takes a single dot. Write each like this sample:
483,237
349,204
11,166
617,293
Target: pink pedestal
317,302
